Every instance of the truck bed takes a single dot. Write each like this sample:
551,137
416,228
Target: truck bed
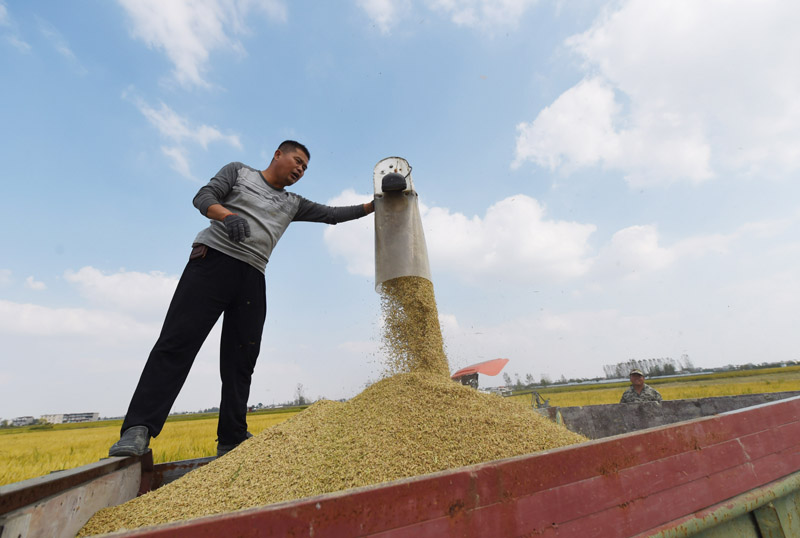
735,474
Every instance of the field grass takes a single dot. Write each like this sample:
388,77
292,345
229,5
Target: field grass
678,388
31,452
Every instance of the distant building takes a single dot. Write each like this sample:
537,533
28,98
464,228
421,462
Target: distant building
65,418
23,421
81,417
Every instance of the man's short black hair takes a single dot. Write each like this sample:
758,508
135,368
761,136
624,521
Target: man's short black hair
291,145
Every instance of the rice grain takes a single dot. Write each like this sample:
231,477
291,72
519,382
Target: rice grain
414,421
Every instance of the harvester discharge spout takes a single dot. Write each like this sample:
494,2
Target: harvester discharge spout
400,249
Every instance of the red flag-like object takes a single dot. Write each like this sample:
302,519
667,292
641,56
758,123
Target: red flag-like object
492,367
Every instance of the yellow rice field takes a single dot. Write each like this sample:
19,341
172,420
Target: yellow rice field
703,386
32,453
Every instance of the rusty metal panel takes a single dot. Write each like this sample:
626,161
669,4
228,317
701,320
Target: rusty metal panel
768,521
63,514
743,526
740,513
787,512
164,473
20,494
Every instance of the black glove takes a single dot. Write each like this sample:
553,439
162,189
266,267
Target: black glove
237,227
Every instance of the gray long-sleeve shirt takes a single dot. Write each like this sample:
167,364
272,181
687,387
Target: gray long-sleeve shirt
269,211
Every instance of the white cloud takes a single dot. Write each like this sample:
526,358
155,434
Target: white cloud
638,251
180,160
12,37
354,241
178,129
364,347
18,43
97,352
482,14
678,94
37,320
187,31
35,285
513,242
635,250
576,130
60,44
385,13
128,291
583,128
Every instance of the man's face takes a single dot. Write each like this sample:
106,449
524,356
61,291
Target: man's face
637,380
290,166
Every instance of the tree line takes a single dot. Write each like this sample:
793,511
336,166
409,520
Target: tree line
650,367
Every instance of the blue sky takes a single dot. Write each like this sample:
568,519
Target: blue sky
599,181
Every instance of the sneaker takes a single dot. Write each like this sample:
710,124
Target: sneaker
133,442
224,449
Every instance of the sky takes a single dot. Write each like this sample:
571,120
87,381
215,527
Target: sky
598,180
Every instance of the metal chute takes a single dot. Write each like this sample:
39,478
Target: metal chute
400,249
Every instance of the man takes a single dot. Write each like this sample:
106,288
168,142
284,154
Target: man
639,391
249,211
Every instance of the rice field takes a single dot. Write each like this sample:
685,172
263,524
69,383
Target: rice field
29,452
700,386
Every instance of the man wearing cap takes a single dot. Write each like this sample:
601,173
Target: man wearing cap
639,391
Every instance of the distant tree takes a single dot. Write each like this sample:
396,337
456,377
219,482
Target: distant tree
300,397
529,380
517,382
507,379
545,380
686,364
652,367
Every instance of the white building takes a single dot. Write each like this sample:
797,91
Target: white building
23,421
81,417
64,418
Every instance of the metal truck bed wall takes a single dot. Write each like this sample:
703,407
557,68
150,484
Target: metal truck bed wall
598,421
60,503
731,475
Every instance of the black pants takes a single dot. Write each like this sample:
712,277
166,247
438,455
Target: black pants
208,287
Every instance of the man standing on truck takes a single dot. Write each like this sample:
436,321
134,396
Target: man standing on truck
639,391
249,210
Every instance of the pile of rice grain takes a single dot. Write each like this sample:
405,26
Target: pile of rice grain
406,425
418,421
